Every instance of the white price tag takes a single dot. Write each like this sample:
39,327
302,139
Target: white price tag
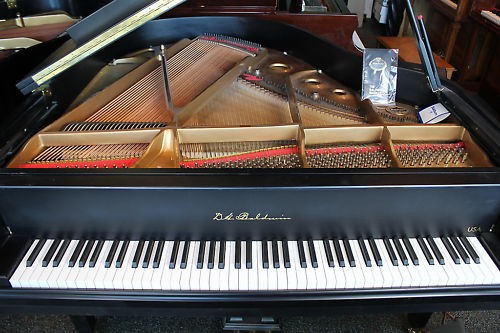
433,114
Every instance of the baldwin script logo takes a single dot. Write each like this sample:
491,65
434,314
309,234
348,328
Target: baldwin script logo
245,216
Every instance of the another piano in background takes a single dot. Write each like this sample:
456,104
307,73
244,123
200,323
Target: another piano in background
329,19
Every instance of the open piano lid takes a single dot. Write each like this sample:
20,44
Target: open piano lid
95,32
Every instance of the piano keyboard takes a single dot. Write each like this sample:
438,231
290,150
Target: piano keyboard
329,264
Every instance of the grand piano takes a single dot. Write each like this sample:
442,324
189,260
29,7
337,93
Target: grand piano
227,166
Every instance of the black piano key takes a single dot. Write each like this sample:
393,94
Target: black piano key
265,255
401,252
52,249
375,251
249,254
470,249
185,253
111,254
211,255
158,254
286,254
435,250
147,255
364,253
121,254
348,252
173,256
338,252
390,251
222,254
302,254
86,253
312,253
201,255
425,250
138,253
328,252
454,256
76,253
60,253
97,252
35,252
276,259
460,249
237,255
410,250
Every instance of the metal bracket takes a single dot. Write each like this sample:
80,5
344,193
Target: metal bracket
251,324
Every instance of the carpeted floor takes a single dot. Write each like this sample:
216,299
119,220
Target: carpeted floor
477,321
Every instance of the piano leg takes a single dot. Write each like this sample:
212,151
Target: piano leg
252,324
83,324
419,320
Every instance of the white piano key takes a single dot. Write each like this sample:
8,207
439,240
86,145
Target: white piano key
330,276
291,273
85,276
253,273
224,272
427,277
350,276
110,272
60,274
261,270
15,279
205,271
360,276
233,272
340,279
468,274
406,279
243,271
36,270
321,281
147,277
360,265
449,266
388,268
100,267
128,277
72,278
437,268
137,279
44,277
121,273
175,282
376,271
195,272
281,271
416,280
485,260
164,273
272,274
215,274
310,270
186,273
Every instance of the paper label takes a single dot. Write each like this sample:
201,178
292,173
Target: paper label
433,114
380,71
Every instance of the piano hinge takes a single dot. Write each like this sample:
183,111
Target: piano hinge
251,324
11,4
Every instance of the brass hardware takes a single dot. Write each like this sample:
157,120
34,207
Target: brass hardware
11,4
